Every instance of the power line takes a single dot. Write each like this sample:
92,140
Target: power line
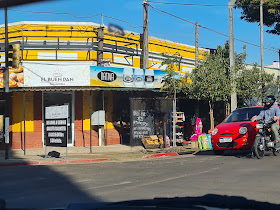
185,4
75,16
207,5
156,10
209,29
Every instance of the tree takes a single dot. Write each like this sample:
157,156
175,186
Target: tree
271,13
211,81
253,85
173,83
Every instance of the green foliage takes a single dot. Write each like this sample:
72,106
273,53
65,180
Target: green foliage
271,13
210,80
173,81
254,84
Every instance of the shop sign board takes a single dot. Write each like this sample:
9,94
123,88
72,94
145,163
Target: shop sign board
56,126
16,77
142,124
59,74
126,77
62,74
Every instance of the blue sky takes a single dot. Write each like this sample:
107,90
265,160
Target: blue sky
161,25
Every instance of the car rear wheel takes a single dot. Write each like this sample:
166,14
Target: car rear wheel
218,152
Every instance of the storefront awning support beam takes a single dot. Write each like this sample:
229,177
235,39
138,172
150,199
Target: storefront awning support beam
7,117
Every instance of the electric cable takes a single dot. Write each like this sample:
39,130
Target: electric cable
75,16
206,5
209,29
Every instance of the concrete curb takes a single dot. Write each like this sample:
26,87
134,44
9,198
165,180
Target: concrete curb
21,163
51,162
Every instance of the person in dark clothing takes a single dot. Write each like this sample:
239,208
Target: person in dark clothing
270,111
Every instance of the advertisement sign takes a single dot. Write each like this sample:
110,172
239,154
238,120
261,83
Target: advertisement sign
125,77
16,77
44,74
56,126
142,124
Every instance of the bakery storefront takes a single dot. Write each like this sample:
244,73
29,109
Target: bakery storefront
85,89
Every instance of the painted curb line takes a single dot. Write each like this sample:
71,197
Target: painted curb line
171,154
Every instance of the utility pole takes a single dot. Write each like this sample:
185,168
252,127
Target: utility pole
100,37
261,35
196,44
231,56
7,95
100,62
196,64
145,35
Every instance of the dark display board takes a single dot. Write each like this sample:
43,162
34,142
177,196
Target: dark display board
56,126
56,132
142,124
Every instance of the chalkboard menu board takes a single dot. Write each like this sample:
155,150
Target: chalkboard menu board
56,126
142,124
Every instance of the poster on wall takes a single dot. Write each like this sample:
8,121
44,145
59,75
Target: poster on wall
16,77
59,74
126,77
56,126
142,124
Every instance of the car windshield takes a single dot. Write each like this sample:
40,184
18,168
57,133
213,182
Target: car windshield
240,115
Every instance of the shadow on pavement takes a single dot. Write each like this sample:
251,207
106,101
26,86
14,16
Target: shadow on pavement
40,187
209,201
233,153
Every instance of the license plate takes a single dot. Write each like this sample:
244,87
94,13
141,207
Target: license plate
227,139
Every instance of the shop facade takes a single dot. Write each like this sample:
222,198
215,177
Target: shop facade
60,66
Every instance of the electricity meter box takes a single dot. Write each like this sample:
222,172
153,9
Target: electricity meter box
98,117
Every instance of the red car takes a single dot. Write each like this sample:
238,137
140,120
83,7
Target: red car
236,131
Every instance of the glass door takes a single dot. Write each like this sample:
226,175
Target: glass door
57,99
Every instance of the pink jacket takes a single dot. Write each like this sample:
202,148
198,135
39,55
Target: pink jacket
198,132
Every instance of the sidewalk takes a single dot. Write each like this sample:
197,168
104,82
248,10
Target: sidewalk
82,154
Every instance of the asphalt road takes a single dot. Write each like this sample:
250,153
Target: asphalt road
56,186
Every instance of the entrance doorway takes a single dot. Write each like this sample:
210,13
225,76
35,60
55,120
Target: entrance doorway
57,99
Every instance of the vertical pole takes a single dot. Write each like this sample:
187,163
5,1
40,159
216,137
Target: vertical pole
261,34
100,63
174,116
24,131
131,140
196,44
100,36
279,59
103,126
145,35
7,117
45,147
231,56
164,134
196,63
90,111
